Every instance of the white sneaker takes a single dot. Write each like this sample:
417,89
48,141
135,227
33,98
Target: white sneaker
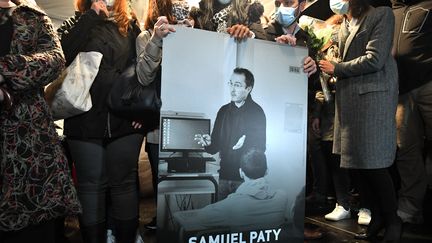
364,216
338,213
110,237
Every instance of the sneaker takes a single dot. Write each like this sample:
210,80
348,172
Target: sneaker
152,225
364,216
338,213
138,238
110,237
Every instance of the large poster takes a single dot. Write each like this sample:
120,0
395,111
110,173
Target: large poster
232,140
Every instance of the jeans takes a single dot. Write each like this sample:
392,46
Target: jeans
107,166
414,124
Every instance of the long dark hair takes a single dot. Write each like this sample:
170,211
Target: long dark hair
358,7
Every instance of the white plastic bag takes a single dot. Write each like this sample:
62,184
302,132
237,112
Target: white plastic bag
69,95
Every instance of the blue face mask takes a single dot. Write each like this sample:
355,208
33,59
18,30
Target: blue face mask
285,16
339,6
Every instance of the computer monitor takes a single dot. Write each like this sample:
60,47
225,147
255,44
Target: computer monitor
178,133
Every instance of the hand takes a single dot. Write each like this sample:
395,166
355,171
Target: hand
327,67
162,28
316,125
286,39
239,32
203,139
99,7
187,23
309,66
136,125
239,143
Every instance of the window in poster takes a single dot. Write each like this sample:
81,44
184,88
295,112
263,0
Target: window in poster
263,208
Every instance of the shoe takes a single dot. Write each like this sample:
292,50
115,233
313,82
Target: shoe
375,226
338,213
393,231
152,225
110,237
409,218
312,234
315,198
364,216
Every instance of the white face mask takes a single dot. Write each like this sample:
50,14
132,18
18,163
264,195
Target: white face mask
285,16
339,6
223,2
109,3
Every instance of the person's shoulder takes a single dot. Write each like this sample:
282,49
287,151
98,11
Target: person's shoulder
30,10
381,11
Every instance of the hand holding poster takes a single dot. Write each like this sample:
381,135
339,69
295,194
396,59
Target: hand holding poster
233,126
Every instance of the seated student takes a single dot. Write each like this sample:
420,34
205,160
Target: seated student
252,205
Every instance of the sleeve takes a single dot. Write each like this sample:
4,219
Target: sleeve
36,69
75,31
378,48
149,57
215,135
256,133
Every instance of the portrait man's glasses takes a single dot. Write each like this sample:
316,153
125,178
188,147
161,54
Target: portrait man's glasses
236,85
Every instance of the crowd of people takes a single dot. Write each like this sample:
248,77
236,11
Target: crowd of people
379,113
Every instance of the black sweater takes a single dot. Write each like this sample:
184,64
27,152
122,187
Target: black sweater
413,43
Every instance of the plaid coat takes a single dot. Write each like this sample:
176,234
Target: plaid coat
35,182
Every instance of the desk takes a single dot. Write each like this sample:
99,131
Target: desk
170,185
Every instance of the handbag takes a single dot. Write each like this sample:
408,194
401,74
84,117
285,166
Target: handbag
69,95
8,101
130,99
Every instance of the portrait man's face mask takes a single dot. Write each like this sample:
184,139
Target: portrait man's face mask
239,91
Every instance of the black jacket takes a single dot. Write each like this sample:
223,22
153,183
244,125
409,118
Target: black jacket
413,43
231,124
90,32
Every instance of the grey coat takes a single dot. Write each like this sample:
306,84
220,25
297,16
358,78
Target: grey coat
366,93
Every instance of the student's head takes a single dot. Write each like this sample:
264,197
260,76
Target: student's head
241,84
253,164
157,8
288,11
119,9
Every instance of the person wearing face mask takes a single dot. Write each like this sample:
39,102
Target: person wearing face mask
104,147
366,100
285,29
35,183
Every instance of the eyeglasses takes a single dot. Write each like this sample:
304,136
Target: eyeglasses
236,85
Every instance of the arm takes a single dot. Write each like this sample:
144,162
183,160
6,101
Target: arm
33,70
74,33
149,50
377,49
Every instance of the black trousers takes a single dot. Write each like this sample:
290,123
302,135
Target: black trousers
41,233
376,186
107,167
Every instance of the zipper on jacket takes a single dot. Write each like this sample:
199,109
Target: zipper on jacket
109,125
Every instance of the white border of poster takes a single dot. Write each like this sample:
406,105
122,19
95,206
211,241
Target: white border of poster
196,69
